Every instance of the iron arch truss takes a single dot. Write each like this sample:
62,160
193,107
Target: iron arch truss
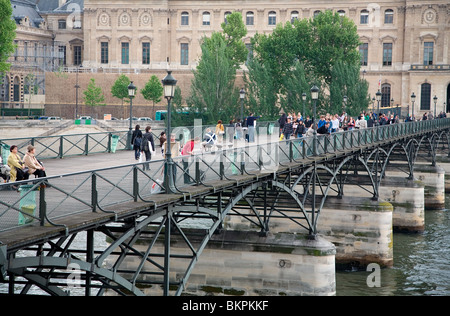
155,248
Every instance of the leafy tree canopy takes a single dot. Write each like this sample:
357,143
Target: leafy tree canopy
7,34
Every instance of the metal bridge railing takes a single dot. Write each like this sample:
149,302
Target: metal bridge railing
45,200
68,145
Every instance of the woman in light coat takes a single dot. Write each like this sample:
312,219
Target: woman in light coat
34,166
15,162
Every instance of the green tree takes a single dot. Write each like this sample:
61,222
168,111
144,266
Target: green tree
7,34
317,44
213,94
120,90
234,31
153,91
261,86
346,81
334,38
294,85
93,96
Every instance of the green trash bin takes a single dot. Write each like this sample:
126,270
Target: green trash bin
270,128
27,204
5,153
114,142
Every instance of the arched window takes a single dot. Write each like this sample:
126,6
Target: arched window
225,16
385,95
249,18
184,18
389,16
364,17
341,12
16,89
272,18
294,16
206,18
425,96
317,12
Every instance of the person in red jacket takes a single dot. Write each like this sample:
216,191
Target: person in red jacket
187,151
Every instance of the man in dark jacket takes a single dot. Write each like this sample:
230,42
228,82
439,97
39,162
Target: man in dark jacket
282,122
324,129
288,129
301,129
147,146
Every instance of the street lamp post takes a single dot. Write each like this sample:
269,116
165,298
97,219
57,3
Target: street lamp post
435,101
378,96
131,93
304,106
242,96
413,99
77,86
169,83
314,97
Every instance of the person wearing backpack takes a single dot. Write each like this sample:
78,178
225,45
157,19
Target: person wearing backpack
147,146
136,140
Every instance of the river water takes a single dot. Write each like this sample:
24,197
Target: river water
421,263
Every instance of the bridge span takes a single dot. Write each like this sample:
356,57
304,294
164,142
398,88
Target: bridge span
263,184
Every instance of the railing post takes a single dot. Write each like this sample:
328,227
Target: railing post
42,204
221,165
109,142
197,170
291,154
94,194
135,183
86,145
61,149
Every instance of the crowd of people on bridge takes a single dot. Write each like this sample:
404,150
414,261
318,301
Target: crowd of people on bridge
296,125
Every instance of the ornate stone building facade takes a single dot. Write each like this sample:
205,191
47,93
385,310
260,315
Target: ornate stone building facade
404,43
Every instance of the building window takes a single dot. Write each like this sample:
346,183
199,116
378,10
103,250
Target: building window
77,55
62,24
35,52
104,53
364,52
316,13
225,16
272,18
341,12
125,53
16,50
146,53
385,95
250,18
428,53
62,55
387,54
184,54
425,96
25,51
184,18
389,16
294,16
364,18
206,18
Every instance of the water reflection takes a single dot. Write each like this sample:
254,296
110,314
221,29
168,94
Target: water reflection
421,264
